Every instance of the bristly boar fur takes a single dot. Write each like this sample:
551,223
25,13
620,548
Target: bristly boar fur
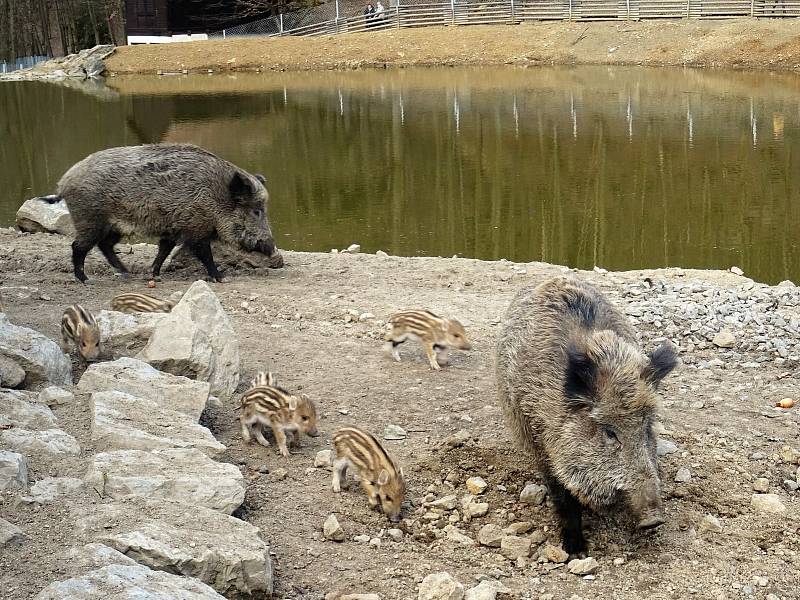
179,193
579,395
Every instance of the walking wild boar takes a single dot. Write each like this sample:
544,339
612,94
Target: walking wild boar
179,193
580,396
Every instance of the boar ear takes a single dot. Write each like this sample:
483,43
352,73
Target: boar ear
580,379
383,478
261,178
271,381
240,187
661,362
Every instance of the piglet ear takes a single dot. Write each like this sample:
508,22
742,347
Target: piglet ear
580,380
383,478
240,187
292,403
660,364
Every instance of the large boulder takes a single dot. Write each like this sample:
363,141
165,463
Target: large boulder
52,442
40,357
121,421
220,550
123,333
180,474
128,582
53,489
37,215
11,374
197,340
17,410
13,471
139,379
94,556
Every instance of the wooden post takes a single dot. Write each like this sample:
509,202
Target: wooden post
512,12
570,10
453,11
280,24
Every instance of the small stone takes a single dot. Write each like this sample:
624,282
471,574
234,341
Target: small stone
353,249
446,503
456,535
458,439
394,432
278,474
324,458
761,485
332,530
790,486
54,395
362,539
768,503
533,494
477,509
9,533
440,586
512,547
697,405
618,562
737,271
586,566
381,254
665,447
395,534
375,542
711,524
554,554
367,316
490,535
518,528
760,580
13,471
487,589
683,475
476,485
724,339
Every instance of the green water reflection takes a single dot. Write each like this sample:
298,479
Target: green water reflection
618,167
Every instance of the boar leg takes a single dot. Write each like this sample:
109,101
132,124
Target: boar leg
570,516
339,473
165,246
431,355
106,246
202,250
280,439
80,248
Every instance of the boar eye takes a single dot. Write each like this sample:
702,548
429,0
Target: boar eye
305,418
611,435
388,498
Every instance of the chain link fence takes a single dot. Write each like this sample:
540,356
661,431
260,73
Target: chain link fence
21,63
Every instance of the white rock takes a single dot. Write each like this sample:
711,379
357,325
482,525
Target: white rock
554,554
10,533
664,447
710,523
11,374
181,474
724,339
396,534
761,484
456,535
486,590
476,485
394,432
585,566
353,249
40,357
768,503
49,441
219,550
736,271
94,556
513,547
197,340
37,215
476,509
139,379
51,489
19,412
125,332
55,396
533,494
381,254
13,471
128,582
332,530
683,475
324,458
121,421
490,535
440,586
445,503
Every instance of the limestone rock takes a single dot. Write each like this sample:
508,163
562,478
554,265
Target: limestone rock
219,550
324,458
456,535
197,340
486,590
121,421
332,530
476,485
126,333
51,489
440,586
710,523
37,215
94,556
10,533
724,339
54,396
761,484
13,471
40,357
49,441
554,554
181,474
664,447
533,494
513,547
16,410
128,582
586,566
490,535
11,374
139,379
768,503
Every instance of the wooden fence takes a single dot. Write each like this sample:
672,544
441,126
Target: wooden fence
331,18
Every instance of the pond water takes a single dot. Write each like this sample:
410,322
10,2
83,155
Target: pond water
618,167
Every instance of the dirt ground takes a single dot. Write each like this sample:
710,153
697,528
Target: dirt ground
294,322
740,43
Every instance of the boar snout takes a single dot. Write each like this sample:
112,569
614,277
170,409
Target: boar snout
314,432
651,521
647,506
395,518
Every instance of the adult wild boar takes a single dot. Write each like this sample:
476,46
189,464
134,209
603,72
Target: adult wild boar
580,396
180,193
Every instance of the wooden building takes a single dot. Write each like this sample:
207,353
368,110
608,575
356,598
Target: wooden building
171,17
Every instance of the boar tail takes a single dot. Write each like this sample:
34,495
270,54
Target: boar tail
51,199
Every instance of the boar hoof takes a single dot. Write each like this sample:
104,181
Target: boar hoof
650,522
123,275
